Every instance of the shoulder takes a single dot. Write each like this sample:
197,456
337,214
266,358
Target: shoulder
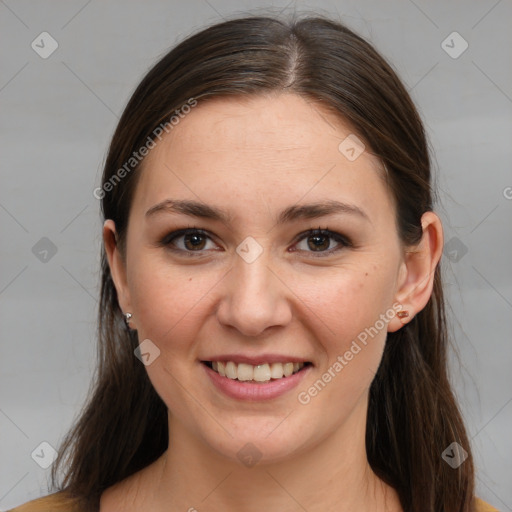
481,506
57,502
63,502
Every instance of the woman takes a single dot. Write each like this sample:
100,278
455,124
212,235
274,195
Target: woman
272,327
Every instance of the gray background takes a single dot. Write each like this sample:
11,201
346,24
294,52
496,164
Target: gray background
59,113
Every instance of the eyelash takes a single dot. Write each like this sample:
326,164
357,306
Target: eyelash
342,240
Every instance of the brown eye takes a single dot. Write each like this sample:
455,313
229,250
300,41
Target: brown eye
318,242
187,241
193,241
322,241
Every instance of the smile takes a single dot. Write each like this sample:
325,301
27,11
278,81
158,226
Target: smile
257,373
258,382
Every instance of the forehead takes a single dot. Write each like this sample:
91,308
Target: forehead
275,148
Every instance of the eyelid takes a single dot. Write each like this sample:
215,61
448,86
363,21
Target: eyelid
338,237
167,240
169,237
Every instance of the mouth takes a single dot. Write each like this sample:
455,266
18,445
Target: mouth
260,373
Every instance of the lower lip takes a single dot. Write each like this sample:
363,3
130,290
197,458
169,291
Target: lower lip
255,391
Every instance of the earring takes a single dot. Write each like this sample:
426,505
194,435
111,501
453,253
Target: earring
127,318
402,314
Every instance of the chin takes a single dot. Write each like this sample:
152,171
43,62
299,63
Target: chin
259,441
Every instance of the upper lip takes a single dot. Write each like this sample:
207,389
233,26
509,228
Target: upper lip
256,360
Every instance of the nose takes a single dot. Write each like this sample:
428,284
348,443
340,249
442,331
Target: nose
255,297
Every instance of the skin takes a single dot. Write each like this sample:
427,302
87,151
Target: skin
254,157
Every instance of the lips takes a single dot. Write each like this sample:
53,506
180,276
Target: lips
255,360
252,389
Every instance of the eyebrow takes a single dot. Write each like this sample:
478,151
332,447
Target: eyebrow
290,214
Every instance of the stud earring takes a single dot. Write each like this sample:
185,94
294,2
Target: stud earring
402,314
127,318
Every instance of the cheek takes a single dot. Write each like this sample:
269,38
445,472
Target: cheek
168,301
346,301
351,308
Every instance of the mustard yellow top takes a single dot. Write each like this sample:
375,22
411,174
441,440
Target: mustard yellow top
62,502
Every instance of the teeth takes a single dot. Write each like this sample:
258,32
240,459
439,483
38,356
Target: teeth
276,370
245,372
259,373
287,369
231,372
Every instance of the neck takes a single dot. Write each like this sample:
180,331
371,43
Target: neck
332,475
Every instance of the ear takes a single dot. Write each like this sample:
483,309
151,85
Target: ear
416,276
117,266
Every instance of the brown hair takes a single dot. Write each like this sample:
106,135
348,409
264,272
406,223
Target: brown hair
412,414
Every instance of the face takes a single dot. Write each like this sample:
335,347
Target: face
269,279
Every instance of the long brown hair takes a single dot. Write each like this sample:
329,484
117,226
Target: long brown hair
412,416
